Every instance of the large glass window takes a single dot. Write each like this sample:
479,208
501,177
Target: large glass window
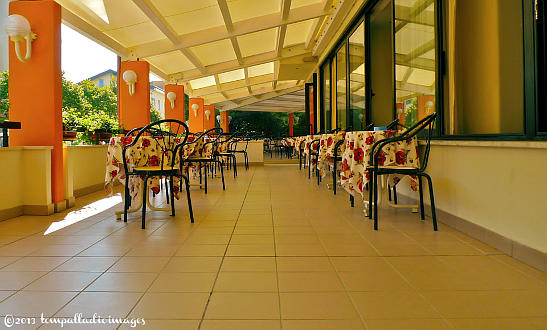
486,66
415,65
541,66
326,107
341,106
357,78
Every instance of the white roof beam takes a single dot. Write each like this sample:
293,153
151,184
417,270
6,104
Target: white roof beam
282,31
158,19
251,25
265,96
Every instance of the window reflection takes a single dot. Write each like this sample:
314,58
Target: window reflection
326,97
414,59
341,108
357,77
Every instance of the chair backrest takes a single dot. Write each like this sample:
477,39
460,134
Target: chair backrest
213,135
169,135
414,130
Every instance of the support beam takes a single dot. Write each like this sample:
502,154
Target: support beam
282,31
247,26
265,96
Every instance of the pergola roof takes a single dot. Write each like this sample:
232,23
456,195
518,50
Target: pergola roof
227,51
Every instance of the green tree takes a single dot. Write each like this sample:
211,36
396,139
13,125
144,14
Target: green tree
267,124
155,115
100,98
4,100
73,96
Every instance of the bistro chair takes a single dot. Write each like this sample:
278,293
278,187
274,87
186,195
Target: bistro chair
312,154
208,154
170,144
233,149
375,169
231,159
338,156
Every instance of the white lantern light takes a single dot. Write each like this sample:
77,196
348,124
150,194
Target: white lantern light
207,113
18,28
219,119
172,96
195,107
360,117
296,119
130,77
229,119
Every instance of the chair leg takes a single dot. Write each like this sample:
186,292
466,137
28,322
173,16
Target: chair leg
186,180
420,187
205,169
389,192
395,194
309,167
370,193
166,190
432,200
234,160
200,176
127,199
375,187
222,173
172,186
334,178
351,200
144,198
318,176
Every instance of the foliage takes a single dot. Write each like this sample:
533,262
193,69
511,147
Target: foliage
411,113
267,124
155,115
4,101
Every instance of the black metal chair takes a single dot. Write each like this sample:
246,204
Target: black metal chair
231,159
233,149
213,134
170,144
375,169
312,154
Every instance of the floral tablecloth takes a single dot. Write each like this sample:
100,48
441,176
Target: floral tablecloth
146,152
326,151
356,158
307,140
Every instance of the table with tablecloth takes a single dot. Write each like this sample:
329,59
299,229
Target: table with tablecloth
326,151
147,152
356,158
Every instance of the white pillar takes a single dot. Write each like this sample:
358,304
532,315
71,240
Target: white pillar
4,53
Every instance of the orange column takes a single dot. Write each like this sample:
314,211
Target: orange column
196,115
134,109
35,90
225,121
176,112
209,123
291,124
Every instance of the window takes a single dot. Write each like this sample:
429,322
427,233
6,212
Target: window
357,78
541,56
101,82
325,99
415,64
486,68
341,106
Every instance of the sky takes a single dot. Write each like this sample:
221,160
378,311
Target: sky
82,58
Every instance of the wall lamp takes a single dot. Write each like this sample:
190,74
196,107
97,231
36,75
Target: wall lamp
195,107
130,77
220,119
172,96
18,28
207,113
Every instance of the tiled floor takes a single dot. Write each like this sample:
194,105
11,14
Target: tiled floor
273,251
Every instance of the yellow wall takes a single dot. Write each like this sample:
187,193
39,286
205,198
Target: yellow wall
88,165
499,188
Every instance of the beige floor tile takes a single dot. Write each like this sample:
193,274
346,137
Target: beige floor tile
59,250
408,324
299,250
115,304
139,264
103,250
323,325
316,306
374,280
5,294
309,282
201,250
187,305
183,282
246,282
122,282
248,264
240,325
166,325
252,230
393,305
193,264
252,239
35,264
208,239
296,239
153,251
4,261
251,250
343,249
29,303
63,281
489,304
304,264
78,326
494,324
87,264
246,306
18,280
